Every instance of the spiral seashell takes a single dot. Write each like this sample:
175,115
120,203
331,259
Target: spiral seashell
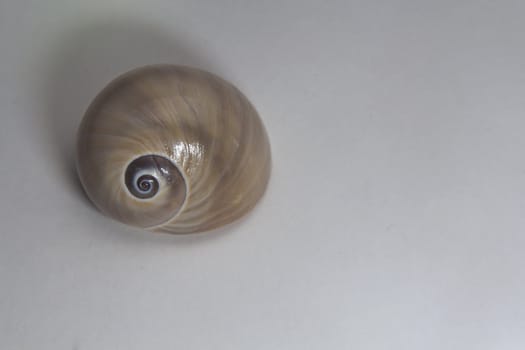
173,149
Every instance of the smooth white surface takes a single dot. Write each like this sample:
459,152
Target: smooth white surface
394,217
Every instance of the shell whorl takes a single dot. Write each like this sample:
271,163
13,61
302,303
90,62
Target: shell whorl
174,149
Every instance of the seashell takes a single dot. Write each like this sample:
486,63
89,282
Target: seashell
173,149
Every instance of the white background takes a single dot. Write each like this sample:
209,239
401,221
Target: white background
395,213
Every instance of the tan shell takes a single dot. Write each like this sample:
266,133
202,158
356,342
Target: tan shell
202,124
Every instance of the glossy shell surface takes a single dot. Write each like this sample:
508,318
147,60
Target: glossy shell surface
173,149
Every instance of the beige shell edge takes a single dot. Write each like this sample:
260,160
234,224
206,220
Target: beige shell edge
204,125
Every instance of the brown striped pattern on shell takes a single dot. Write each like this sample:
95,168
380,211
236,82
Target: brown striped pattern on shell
203,124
